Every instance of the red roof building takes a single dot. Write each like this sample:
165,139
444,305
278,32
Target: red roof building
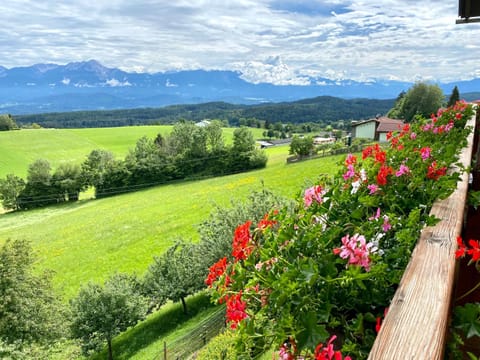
376,129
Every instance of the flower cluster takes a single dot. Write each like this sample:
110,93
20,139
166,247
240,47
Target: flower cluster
434,172
330,265
242,244
356,250
215,271
313,194
472,249
235,309
327,352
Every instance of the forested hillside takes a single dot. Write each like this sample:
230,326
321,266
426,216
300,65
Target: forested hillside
323,110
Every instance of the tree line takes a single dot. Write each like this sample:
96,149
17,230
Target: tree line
189,151
323,110
34,321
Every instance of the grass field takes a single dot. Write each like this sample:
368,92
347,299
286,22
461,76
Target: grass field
91,239
18,149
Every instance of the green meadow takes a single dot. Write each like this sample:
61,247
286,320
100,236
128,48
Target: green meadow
20,148
91,239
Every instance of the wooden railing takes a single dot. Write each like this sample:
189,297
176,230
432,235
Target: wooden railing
417,321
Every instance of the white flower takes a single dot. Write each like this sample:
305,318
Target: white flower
355,186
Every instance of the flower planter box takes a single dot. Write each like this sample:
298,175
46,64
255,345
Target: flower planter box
417,321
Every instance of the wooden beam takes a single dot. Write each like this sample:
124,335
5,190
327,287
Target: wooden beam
417,320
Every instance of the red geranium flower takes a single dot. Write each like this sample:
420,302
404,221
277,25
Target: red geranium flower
242,246
327,352
236,309
266,222
216,270
434,173
474,251
383,172
462,249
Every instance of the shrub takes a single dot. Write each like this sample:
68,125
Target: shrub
221,347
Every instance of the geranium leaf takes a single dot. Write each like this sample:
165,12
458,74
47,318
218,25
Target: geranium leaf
467,318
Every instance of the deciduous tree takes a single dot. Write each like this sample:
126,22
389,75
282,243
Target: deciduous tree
175,274
30,310
10,189
102,312
421,99
39,189
7,123
68,178
302,146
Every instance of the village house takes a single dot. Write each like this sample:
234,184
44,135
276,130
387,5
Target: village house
376,129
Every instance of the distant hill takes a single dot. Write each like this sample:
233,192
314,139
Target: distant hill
321,110
88,85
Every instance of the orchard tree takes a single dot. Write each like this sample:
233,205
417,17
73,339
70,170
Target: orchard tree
216,233
10,189
302,146
175,274
30,310
99,313
454,97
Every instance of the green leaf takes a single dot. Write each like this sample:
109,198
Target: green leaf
312,333
474,198
467,318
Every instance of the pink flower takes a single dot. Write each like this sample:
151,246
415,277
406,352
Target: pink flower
375,216
373,188
356,249
386,223
449,126
413,136
427,127
350,172
425,153
404,169
313,193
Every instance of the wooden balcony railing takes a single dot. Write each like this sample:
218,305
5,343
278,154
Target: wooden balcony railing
417,321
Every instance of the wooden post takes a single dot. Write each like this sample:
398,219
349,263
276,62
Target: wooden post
164,350
417,320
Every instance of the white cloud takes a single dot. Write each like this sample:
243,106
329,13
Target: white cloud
169,84
356,39
116,83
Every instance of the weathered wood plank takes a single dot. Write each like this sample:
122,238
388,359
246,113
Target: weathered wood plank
416,324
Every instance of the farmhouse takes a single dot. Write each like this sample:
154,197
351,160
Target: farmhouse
375,129
318,140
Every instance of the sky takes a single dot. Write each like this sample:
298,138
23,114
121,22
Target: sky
282,42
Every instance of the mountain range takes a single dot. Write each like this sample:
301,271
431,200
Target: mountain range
89,85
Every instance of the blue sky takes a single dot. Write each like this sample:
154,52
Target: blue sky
284,42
